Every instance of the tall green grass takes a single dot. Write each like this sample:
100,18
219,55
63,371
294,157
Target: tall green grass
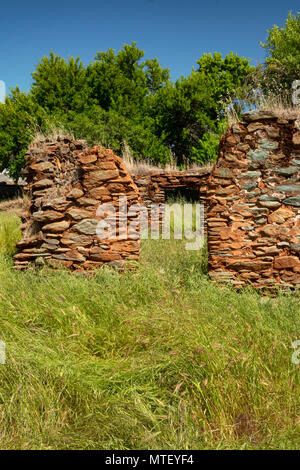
160,358
9,233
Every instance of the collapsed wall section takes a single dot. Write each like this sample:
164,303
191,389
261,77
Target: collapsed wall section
153,187
253,213
160,187
68,185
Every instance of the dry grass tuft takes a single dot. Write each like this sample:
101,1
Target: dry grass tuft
14,206
53,133
140,167
279,105
137,167
232,115
144,167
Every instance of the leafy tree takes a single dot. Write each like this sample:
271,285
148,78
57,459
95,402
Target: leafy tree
59,85
119,98
111,129
194,106
20,118
282,65
156,76
117,80
226,77
122,82
104,103
208,147
180,116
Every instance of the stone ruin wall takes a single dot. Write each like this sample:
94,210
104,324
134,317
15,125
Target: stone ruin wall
154,186
66,183
252,199
253,211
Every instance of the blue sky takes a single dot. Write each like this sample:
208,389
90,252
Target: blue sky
176,32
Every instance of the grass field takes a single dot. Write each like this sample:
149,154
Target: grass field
160,358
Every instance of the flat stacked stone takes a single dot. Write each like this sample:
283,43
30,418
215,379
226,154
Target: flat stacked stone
66,183
253,213
153,186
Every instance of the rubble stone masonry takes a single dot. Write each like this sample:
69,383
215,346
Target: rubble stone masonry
252,199
156,186
153,186
253,212
66,183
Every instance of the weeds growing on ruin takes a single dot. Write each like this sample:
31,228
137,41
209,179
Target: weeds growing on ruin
144,166
278,103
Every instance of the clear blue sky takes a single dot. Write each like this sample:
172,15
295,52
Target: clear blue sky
176,32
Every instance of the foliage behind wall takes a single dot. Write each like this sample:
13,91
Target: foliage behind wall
121,99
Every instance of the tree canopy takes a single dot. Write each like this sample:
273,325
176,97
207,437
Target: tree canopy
282,65
120,99
20,118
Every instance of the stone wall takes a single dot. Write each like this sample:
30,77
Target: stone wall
153,186
67,182
253,211
252,196
156,186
